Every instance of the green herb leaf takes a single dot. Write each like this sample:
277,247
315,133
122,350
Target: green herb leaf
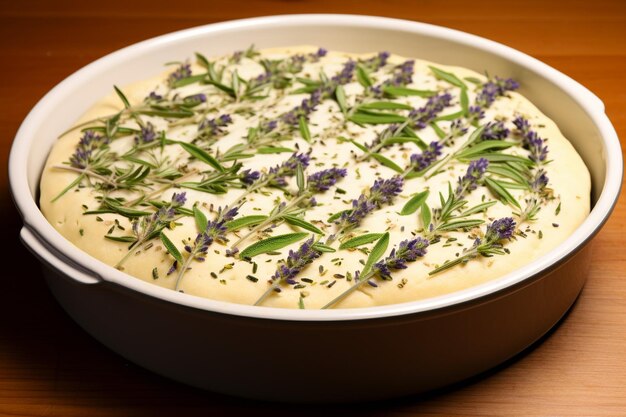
122,97
384,105
448,117
508,172
360,240
300,177
387,162
320,247
376,118
171,248
404,91
363,77
460,224
448,77
125,239
202,61
272,149
340,95
189,80
438,130
426,216
499,157
464,99
201,155
297,221
398,139
485,146
201,220
244,221
304,129
377,252
414,203
478,208
501,192
271,244
338,215
124,211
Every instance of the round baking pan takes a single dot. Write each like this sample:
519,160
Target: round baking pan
310,355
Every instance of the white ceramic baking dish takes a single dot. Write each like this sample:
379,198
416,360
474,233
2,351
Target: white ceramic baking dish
302,355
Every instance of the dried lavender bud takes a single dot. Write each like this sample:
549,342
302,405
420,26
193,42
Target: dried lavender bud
474,174
427,157
383,191
215,126
307,106
323,180
457,129
376,62
495,131
277,174
295,262
146,134
408,251
499,230
531,140
183,71
539,181
248,177
346,73
88,143
419,118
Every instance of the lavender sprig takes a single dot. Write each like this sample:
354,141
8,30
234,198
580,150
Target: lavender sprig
381,193
490,245
318,182
421,161
183,71
475,172
407,251
215,231
375,63
531,141
420,117
488,94
287,271
148,227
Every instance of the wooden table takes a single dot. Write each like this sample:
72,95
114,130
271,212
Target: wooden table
49,366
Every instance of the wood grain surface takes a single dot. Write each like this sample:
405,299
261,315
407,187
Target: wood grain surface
51,367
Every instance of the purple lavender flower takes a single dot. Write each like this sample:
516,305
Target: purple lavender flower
87,145
81,158
179,199
346,73
499,230
215,231
146,134
277,174
215,126
360,209
475,113
295,262
307,106
531,140
402,74
315,56
457,129
323,180
427,157
248,177
495,131
489,92
539,181
376,62
474,174
380,193
537,147
183,71
195,99
383,191
408,251
153,97
422,116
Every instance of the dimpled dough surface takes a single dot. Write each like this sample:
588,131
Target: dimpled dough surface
224,278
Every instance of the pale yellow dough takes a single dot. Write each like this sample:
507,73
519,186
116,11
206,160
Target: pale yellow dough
567,174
